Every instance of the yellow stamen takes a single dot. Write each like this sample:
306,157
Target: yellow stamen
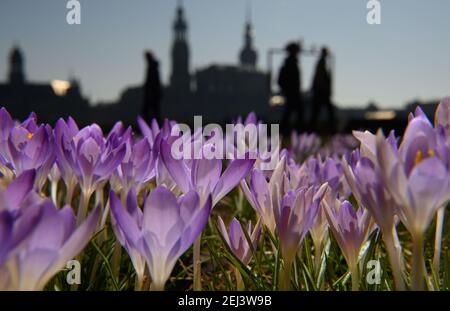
419,157
30,135
431,153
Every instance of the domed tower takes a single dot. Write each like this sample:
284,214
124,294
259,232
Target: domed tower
16,66
180,78
248,56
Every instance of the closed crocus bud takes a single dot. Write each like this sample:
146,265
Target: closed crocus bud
137,167
442,116
134,214
350,229
294,218
236,239
263,195
369,189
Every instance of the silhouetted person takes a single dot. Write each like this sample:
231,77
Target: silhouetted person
289,81
321,92
152,89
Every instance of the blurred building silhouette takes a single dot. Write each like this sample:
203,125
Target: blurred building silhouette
49,100
218,92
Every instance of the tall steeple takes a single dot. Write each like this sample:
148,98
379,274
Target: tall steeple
248,56
180,78
16,66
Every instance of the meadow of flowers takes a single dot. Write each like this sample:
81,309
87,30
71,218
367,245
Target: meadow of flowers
351,212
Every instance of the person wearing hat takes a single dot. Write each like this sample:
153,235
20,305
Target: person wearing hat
289,81
321,91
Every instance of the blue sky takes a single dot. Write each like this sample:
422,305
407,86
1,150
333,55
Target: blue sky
404,58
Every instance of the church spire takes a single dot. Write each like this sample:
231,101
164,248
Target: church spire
180,77
180,25
16,66
248,56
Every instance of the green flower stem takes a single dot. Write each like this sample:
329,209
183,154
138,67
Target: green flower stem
395,259
239,281
355,276
156,287
69,193
285,279
54,192
438,239
418,263
317,257
197,264
83,206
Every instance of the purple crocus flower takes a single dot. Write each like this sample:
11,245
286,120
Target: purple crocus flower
262,194
163,231
304,145
36,238
64,133
137,167
316,171
87,154
205,175
152,130
17,213
236,240
350,229
339,145
442,116
369,189
52,242
26,146
295,216
442,126
131,212
415,174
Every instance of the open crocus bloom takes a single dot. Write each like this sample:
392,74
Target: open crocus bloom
24,147
236,240
36,238
205,175
416,174
17,218
163,232
86,153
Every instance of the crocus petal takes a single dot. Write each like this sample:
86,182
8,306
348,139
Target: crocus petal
160,212
233,174
176,168
20,188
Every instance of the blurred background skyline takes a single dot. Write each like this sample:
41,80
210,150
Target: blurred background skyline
403,59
